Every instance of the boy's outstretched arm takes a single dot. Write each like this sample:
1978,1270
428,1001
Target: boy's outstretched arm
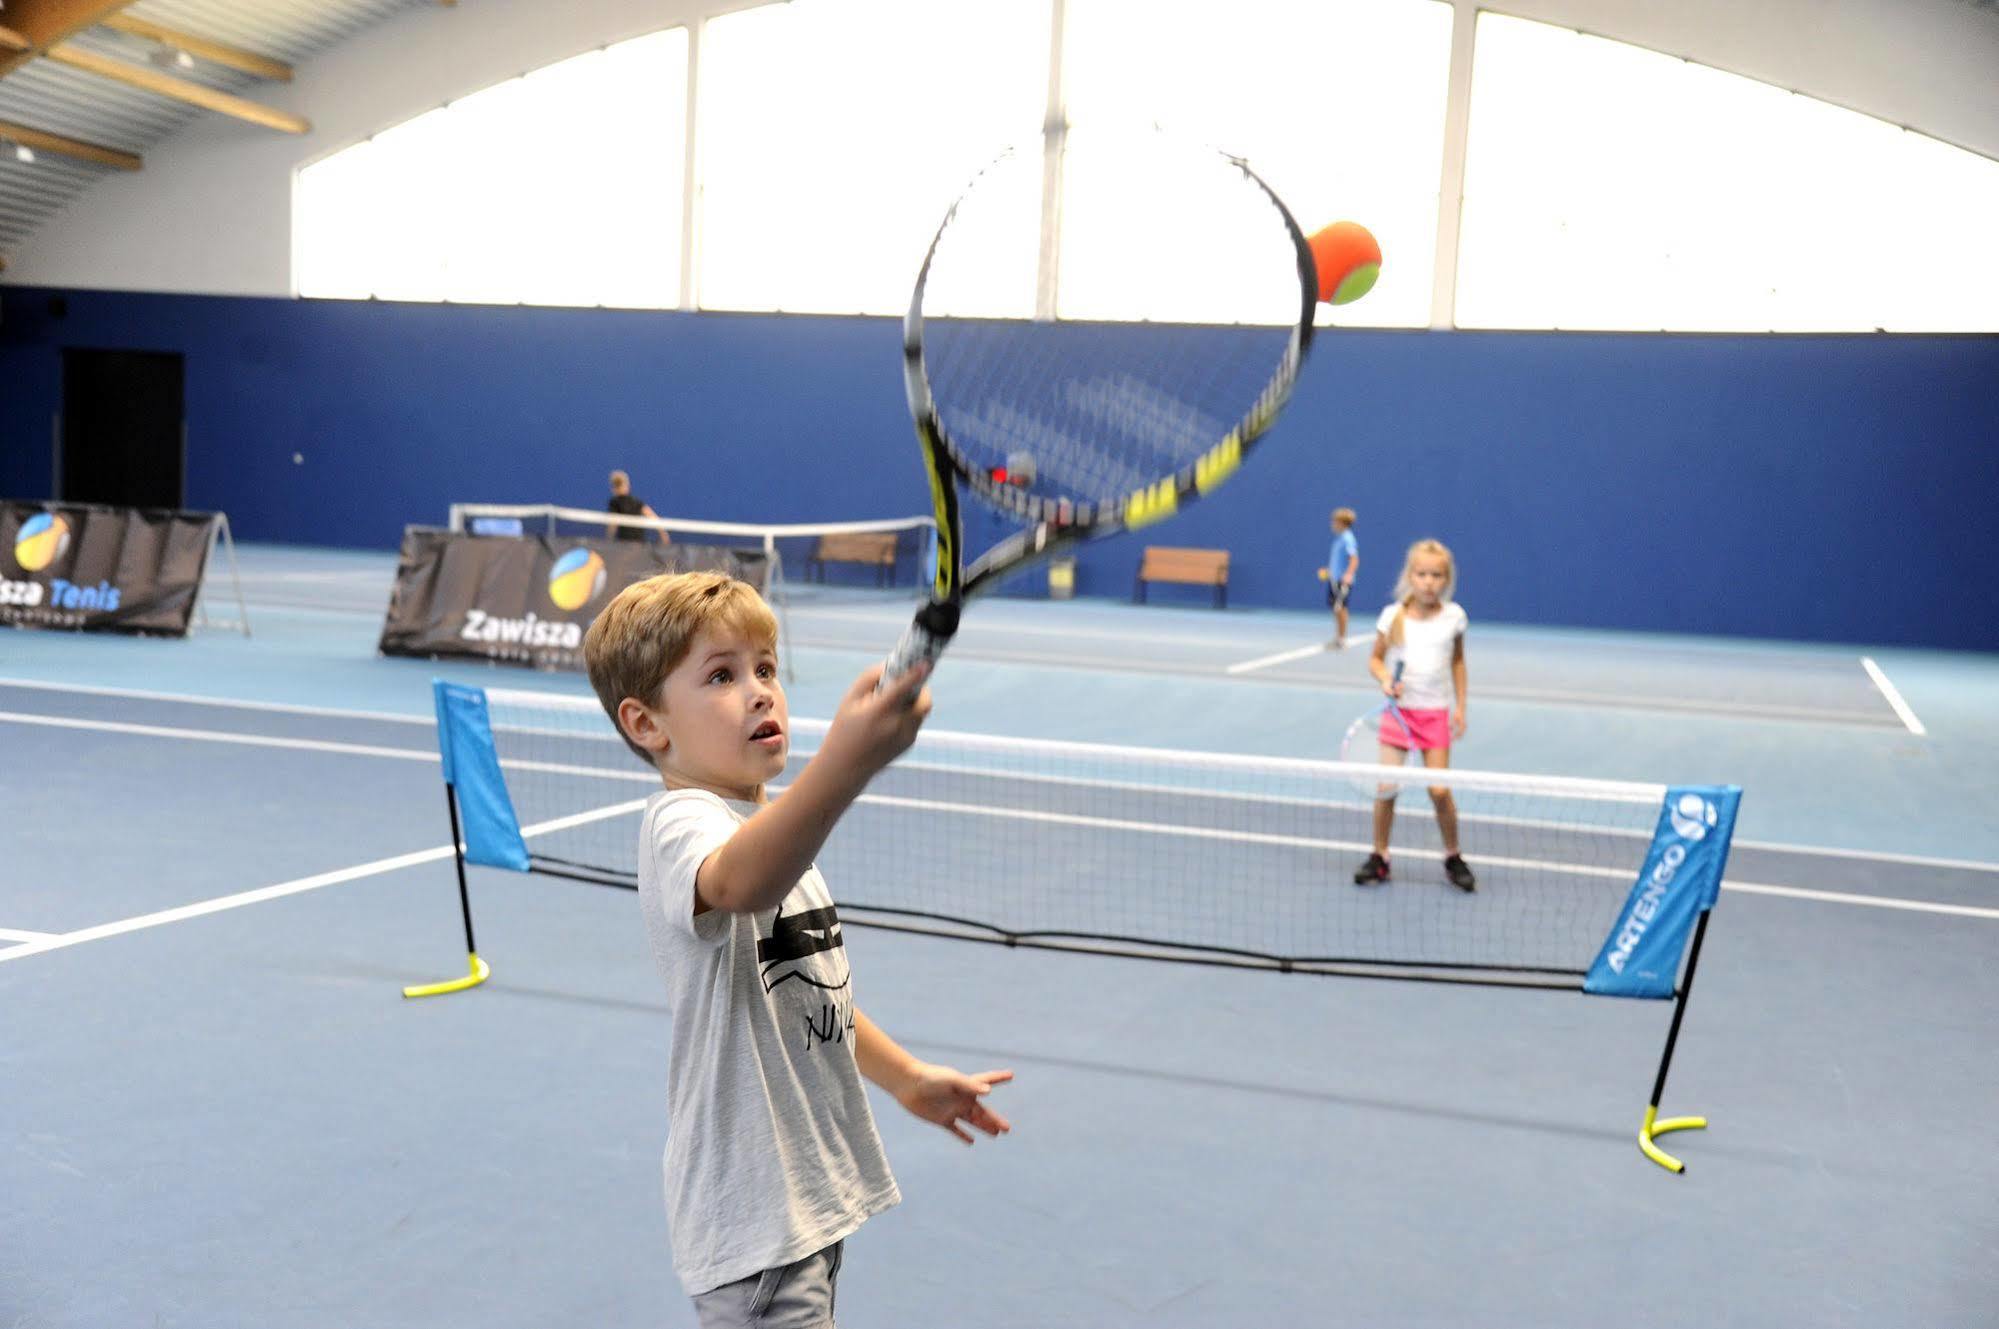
938,1094
761,862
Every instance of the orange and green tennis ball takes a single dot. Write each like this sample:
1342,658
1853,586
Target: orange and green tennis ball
1349,260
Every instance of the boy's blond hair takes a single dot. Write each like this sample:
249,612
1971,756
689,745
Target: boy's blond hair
1344,516
649,627
1405,591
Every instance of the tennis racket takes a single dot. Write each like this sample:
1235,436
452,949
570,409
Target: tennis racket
1098,336
1362,743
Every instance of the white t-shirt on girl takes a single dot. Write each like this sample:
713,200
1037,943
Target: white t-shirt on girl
1425,654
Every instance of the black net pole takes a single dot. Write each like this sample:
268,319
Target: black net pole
465,898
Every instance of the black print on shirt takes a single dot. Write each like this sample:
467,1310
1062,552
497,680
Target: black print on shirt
831,1024
800,937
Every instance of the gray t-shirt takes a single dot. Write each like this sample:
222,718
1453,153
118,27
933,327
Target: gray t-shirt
771,1150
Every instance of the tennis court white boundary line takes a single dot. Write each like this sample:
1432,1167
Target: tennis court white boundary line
45,941
1894,696
1870,901
162,917
1282,657
218,736
16,934
188,699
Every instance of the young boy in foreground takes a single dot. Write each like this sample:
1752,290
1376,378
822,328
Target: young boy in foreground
772,1157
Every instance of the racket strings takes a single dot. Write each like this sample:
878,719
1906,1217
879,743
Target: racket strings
1102,410
1177,309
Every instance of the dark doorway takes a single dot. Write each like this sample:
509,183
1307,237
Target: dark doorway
122,434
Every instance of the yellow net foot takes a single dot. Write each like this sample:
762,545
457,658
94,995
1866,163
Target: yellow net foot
476,973
1654,1127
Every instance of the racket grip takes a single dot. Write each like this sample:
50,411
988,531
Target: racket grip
925,639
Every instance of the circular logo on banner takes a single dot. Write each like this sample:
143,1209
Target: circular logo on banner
576,579
42,539
1693,817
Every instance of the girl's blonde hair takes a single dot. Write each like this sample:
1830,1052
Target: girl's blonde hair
1405,591
651,625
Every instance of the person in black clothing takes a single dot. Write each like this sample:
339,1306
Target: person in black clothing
627,504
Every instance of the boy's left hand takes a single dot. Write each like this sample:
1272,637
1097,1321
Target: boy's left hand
1458,722
949,1097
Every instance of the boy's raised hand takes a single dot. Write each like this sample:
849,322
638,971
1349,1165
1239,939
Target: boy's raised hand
871,729
951,1099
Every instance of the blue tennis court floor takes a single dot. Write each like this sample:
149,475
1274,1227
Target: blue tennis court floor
226,855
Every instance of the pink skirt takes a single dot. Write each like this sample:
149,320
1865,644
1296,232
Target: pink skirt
1428,730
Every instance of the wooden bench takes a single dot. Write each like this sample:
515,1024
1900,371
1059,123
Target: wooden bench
1192,567
874,549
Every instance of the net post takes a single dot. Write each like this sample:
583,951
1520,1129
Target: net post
218,537
774,581
476,970
1653,1126
228,542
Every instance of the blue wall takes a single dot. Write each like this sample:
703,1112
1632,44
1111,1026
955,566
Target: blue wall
1831,488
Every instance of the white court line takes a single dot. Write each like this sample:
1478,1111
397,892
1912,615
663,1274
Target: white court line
229,703
1894,697
1871,901
223,902
218,736
1244,666
15,934
970,648
1869,856
58,941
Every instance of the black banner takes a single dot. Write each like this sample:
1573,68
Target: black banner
527,599
82,567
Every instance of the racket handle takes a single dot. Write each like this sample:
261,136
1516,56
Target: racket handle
925,639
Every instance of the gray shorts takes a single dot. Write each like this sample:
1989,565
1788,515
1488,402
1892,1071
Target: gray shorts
797,1296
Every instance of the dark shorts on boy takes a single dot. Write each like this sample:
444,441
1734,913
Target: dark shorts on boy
1337,593
796,1296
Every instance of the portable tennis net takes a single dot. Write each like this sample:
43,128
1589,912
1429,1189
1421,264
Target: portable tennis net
1149,853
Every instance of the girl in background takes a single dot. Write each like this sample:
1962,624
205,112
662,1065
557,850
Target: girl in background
1423,630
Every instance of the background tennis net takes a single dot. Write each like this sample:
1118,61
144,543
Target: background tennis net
1137,851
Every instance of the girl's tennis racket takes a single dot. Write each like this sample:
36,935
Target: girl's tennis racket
1362,743
1098,336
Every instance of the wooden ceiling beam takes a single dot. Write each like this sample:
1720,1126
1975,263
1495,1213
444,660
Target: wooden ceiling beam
46,22
41,141
201,48
179,89
43,23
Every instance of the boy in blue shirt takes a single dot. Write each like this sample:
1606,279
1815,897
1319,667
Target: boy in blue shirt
1342,561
